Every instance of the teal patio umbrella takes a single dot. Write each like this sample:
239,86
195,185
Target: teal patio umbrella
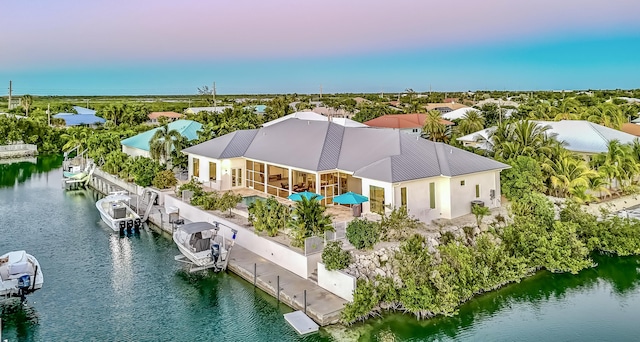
350,198
309,195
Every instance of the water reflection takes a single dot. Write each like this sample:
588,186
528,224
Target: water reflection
17,318
538,297
19,172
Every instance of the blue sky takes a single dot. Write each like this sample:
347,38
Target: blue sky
513,45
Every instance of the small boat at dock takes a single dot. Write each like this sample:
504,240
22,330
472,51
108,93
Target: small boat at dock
203,245
20,275
116,212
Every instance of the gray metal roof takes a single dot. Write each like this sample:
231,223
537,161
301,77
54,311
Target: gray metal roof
375,153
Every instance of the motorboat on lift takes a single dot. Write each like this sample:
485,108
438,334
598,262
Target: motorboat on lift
20,275
203,245
116,212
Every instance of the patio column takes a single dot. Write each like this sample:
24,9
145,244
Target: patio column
317,190
266,178
290,184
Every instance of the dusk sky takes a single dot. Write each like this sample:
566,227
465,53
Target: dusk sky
99,47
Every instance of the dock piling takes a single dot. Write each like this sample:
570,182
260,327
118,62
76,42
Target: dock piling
305,302
278,288
255,274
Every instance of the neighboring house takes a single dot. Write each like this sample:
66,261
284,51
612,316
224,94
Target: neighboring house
138,145
631,128
433,180
196,110
458,113
580,136
630,99
82,116
636,121
444,107
407,123
498,102
333,112
312,116
313,104
171,116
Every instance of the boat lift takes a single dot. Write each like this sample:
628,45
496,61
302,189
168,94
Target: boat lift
219,244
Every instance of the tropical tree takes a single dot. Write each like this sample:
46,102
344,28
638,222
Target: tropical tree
268,215
522,138
607,114
309,219
27,101
434,128
75,137
472,121
618,163
569,176
163,141
113,112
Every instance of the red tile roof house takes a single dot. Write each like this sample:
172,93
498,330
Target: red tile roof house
172,116
408,123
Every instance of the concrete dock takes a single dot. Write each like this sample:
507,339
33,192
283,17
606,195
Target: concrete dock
296,292
321,305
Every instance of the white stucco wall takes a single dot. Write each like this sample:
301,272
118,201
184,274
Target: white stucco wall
337,282
270,250
134,152
418,198
388,193
463,195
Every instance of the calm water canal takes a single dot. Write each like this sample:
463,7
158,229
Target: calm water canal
103,287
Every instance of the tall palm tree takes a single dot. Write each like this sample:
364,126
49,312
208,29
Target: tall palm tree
472,121
163,141
618,163
113,112
607,114
27,101
525,138
75,137
569,175
433,127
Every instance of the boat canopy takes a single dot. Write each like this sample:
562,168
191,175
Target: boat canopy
194,227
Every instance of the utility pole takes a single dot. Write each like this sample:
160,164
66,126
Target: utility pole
49,113
321,91
10,90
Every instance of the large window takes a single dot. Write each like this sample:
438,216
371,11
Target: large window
432,195
213,169
376,196
196,167
403,196
255,175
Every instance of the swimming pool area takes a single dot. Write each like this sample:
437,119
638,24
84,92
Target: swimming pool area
246,201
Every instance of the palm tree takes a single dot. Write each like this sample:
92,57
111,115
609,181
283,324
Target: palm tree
433,127
162,142
75,137
524,138
607,114
618,163
27,101
309,219
568,174
472,121
113,112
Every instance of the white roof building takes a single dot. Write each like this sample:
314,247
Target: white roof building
313,116
579,136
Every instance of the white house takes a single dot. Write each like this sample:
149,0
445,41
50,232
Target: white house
433,180
580,136
196,110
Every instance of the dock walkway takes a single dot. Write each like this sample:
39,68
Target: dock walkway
322,306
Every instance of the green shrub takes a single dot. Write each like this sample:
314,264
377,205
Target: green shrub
398,225
165,179
334,257
228,201
362,233
268,215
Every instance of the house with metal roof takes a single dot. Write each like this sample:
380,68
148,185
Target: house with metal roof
196,110
82,116
580,136
139,145
433,180
313,116
407,123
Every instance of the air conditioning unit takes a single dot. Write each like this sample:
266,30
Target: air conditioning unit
478,203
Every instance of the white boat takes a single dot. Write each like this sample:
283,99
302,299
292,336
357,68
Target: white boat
116,212
20,275
203,246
